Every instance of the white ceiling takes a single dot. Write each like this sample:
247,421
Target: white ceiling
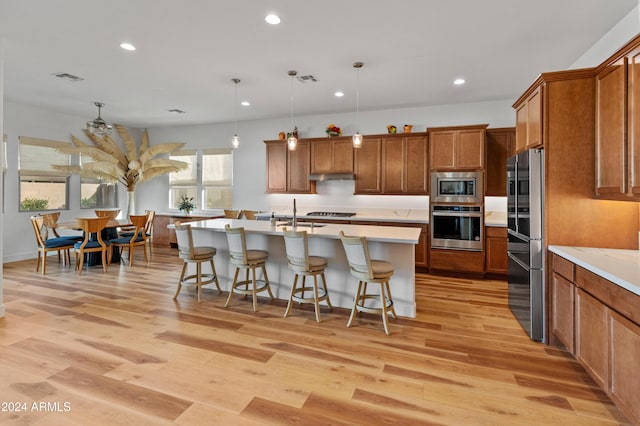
188,51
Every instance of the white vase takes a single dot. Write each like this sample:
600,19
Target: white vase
131,203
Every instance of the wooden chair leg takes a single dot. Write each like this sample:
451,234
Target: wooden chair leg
38,262
326,292
80,261
44,263
199,279
233,284
266,280
384,308
215,275
293,289
354,310
184,269
393,310
254,292
315,297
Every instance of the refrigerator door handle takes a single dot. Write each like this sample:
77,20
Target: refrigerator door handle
519,262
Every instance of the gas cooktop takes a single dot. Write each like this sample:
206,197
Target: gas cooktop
331,214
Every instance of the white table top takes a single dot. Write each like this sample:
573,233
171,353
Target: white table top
622,267
390,234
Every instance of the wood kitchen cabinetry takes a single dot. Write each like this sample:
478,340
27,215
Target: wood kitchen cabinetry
618,125
334,155
288,171
529,120
368,166
404,164
461,147
422,251
599,322
500,146
496,250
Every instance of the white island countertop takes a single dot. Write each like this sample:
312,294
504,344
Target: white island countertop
622,267
385,234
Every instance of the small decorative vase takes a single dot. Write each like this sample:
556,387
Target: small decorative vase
408,128
187,212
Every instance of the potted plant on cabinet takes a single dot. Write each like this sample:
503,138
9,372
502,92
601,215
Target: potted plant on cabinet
186,204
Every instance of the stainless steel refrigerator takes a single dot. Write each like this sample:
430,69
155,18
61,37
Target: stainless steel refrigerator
525,219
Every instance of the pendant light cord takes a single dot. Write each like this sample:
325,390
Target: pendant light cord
292,74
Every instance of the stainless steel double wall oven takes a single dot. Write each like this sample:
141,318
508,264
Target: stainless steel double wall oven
457,216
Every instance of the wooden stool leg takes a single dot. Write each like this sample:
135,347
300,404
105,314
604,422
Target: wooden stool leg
199,278
233,284
326,292
315,297
293,289
215,276
254,293
393,310
184,269
384,308
355,304
266,280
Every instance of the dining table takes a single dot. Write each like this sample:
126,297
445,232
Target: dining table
110,232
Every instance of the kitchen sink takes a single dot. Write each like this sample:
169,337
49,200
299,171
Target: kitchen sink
304,224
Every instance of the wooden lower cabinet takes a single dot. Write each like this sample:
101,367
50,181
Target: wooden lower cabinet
604,319
625,352
496,250
592,335
163,236
457,260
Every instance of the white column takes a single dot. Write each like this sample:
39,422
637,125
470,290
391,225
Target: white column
1,174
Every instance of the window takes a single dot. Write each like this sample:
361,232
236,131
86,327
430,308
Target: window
97,193
217,178
42,187
184,182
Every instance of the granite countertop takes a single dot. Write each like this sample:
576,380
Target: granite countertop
403,235
621,267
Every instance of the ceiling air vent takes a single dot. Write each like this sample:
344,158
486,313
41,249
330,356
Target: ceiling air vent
68,76
177,111
307,78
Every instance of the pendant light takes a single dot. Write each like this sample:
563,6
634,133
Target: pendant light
357,137
292,140
235,141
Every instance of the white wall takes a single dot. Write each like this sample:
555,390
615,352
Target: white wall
616,37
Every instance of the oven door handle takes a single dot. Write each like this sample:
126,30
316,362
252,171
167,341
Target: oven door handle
519,262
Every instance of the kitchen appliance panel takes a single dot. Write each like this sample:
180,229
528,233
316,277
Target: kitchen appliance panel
457,227
457,187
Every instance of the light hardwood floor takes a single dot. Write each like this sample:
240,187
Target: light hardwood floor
114,348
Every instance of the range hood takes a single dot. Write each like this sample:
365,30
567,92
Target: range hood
332,176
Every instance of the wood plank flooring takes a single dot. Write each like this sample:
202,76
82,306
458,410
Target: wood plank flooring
115,349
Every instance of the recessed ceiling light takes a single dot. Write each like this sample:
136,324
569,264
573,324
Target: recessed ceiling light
339,94
245,103
127,46
272,19
459,81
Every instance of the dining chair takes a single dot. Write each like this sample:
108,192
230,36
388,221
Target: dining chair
110,213
148,229
246,259
46,245
297,249
250,214
232,214
367,271
92,242
194,254
137,238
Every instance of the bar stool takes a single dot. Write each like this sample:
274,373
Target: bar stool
198,255
367,271
247,260
297,248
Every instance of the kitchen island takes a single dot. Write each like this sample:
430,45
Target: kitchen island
393,244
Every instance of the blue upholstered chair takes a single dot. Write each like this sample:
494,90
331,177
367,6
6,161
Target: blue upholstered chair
92,243
137,238
46,245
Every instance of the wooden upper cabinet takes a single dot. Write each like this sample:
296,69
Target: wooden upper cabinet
610,129
276,167
393,165
368,165
617,128
499,149
298,166
529,115
288,171
457,147
332,156
416,165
